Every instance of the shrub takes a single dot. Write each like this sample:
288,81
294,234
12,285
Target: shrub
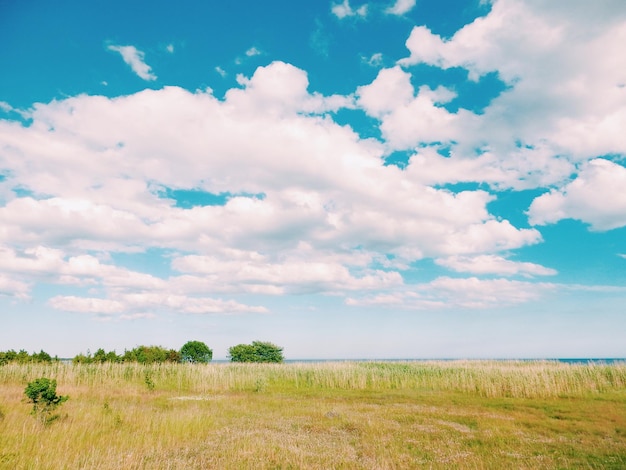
100,356
22,357
151,355
41,356
258,351
42,393
196,351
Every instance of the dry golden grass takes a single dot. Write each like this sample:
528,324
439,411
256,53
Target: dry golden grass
319,416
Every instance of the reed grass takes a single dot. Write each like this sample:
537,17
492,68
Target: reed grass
493,379
354,415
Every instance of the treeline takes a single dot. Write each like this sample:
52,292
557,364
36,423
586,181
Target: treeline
140,354
192,351
22,357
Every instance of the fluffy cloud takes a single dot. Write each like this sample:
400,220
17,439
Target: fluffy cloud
320,182
564,103
596,197
311,209
391,89
401,7
343,10
407,118
126,291
135,59
258,274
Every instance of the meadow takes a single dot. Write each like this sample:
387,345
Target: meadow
343,415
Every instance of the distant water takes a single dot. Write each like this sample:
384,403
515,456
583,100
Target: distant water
582,360
608,360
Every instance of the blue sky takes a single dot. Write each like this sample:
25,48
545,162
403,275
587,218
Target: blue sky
400,179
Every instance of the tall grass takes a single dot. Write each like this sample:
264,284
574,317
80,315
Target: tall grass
351,415
493,379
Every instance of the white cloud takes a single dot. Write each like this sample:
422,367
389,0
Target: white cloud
401,7
6,107
13,288
596,197
409,118
253,51
86,305
170,48
390,90
564,103
343,10
313,207
221,71
453,293
375,60
493,264
478,293
135,59
259,274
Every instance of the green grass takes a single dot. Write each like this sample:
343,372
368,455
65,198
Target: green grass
473,415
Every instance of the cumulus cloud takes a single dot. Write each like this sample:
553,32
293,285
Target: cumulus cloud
596,197
135,59
401,7
563,102
343,10
391,89
313,207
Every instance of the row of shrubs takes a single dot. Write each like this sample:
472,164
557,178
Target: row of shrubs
23,357
192,351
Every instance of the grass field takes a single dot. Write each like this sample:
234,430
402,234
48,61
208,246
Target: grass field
353,415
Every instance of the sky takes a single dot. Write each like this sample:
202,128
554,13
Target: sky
381,179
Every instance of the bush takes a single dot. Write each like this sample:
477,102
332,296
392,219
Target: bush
151,355
196,351
99,357
258,351
42,393
22,357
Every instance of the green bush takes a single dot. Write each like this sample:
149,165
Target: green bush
99,357
196,351
151,355
42,393
258,351
22,357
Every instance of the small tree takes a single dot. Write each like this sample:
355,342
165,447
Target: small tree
258,351
196,351
42,393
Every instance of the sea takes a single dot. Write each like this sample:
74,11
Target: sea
582,360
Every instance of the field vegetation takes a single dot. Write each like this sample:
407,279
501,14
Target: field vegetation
352,415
